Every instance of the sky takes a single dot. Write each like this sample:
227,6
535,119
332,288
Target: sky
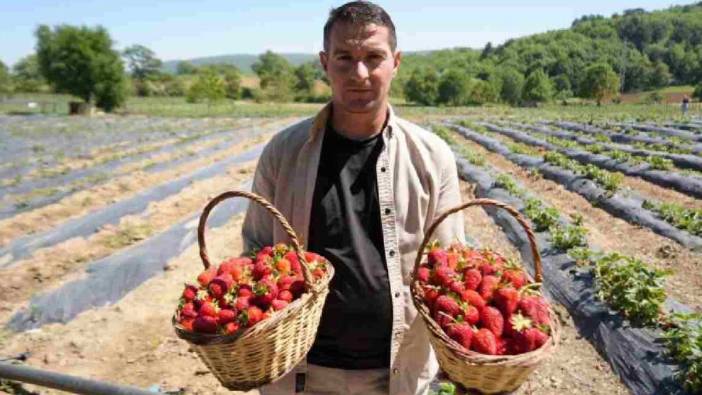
184,29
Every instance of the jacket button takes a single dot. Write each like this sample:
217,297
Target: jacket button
387,211
392,253
397,294
395,370
382,169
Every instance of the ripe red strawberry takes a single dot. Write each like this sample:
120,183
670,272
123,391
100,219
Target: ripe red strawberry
284,282
261,268
452,259
189,293
437,257
488,286
443,276
242,303
265,291
491,318
291,256
506,299
244,290
252,316
205,324
472,278
471,314
526,337
484,342
311,257
267,250
473,298
444,320
430,295
318,272
283,266
502,346
278,304
297,288
226,316
188,310
201,298
457,287
462,333
232,266
220,285
423,274
187,323
285,295
516,277
535,308
210,309
447,305
473,258
206,276
231,328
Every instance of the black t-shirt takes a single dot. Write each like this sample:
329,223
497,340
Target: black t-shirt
345,227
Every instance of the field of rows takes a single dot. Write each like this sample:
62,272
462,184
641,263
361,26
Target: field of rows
98,218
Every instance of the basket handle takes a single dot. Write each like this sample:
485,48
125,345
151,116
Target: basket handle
484,202
265,204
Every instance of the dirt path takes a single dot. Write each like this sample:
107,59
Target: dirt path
613,234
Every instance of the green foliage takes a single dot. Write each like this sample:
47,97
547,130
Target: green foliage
630,287
600,82
537,87
565,238
454,87
697,93
688,219
659,162
185,68
305,76
232,83
542,217
512,84
81,61
142,62
209,86
465,152
506,182
276,77
423,87
5,82
27,77
654,97
684,342
608,180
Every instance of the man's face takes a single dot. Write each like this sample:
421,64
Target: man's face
360,66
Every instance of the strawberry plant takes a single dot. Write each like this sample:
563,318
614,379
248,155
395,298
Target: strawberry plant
506,182
542,217
684,342
570,236
688,219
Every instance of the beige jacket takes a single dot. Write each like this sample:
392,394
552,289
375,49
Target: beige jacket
417,180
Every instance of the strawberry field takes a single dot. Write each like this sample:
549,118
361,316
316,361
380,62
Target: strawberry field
98,219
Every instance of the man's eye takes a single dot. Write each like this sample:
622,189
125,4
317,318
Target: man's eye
343,57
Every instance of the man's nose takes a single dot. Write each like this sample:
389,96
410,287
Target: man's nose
359,70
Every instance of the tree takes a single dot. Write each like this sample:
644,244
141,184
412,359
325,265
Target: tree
5,82
537,87
232,83
185,68
698,92
27,76
81,61
600,82
275,75
659,76
423,87
454,88
305,76
142,62
208,86
512,85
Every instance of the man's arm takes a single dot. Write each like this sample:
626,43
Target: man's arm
452,228
257,230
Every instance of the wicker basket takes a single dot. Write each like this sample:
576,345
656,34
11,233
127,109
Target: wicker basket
270,349
486,373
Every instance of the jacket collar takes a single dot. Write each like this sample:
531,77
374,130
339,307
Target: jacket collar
320,122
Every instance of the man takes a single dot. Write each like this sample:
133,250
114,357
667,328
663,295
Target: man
361,186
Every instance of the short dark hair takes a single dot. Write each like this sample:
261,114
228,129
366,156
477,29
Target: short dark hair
359,13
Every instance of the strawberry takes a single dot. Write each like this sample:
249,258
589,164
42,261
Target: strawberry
205,324
444,320
232,266
283,266
220,285
506,299
448,305
457,286
515,277
297,288
206,276
473,298
452,260
187,323
252,316
491,318
484,342
209,309
284,282
443,276
501,346
430,295
437,257
242,303
488,286
472,278
462,333
423,274
267,250
285,295
188,311
189,293
535,308
526,337
278,304
311,257
231,328
291,256
226,316
265,291
201,298
471,314
261,268
244,290
318,272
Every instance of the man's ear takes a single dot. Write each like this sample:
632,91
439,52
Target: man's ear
397,56
323,59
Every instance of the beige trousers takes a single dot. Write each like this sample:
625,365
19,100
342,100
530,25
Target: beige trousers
320,380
